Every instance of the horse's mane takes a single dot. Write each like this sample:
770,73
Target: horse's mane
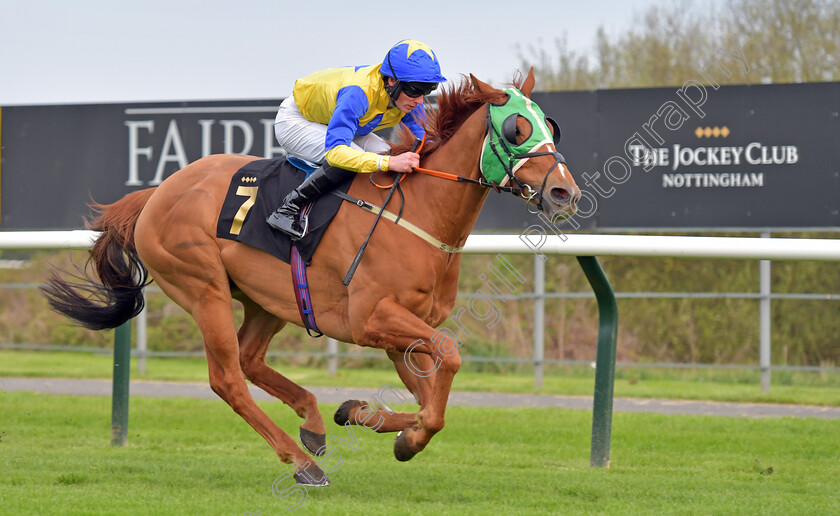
455,104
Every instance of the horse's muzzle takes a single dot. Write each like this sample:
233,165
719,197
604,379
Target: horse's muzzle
564,199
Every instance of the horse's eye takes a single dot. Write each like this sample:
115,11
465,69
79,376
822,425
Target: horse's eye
510,131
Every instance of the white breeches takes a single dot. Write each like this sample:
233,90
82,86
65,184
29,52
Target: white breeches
305,139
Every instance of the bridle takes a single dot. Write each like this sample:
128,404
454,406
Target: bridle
525,190
507,158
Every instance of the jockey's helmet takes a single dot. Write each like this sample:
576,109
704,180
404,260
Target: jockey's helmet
415,68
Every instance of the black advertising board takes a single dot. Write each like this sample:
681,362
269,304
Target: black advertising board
738,157
759,157
735,157
55,159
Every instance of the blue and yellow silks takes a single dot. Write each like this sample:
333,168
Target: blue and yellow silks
352,101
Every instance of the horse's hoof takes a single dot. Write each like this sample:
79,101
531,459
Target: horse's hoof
342,415
402,450
311,476
315,443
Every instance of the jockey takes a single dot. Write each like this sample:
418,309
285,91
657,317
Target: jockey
331,116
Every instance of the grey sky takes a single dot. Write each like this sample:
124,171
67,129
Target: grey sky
111,50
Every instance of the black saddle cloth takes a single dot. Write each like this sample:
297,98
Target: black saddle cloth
255,191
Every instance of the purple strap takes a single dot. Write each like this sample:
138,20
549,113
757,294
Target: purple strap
304,302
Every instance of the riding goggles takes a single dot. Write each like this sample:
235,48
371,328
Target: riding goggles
418,89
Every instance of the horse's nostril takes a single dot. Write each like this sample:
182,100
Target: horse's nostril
560,194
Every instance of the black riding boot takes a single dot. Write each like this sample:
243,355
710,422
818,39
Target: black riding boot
287,217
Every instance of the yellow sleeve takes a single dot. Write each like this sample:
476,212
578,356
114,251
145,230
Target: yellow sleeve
348,158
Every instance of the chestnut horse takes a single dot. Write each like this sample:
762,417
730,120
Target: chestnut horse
402,290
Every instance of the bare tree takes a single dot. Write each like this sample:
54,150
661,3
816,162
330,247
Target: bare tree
788,41
784,41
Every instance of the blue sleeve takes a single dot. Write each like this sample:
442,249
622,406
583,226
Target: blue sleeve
414,119
351,105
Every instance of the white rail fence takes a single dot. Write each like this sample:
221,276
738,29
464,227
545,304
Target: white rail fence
746,248
540,245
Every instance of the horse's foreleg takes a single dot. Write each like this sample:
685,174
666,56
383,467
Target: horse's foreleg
378,416
394,328
254,336
420,386
373,417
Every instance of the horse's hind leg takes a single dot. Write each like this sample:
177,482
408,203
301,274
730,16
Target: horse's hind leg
254,336
208,299
215,320
379,416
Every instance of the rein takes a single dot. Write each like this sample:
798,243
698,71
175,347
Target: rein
455,177
461,179
395,186
520,190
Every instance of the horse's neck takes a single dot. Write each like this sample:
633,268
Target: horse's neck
451,208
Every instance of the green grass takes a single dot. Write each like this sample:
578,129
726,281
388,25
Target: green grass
724,385
198,457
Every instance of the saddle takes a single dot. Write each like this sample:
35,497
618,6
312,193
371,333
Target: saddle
256,190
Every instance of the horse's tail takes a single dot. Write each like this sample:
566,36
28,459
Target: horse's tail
118,295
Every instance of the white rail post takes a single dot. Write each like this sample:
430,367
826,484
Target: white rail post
539,319
332,356
765,287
